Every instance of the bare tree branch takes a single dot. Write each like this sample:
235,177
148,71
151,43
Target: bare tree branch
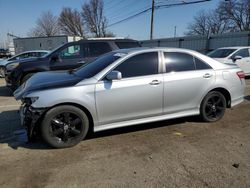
70,22
237,12
96,22
46,25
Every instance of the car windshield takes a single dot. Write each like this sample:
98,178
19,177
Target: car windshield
221,53
91,69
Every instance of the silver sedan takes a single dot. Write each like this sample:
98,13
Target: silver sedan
128,87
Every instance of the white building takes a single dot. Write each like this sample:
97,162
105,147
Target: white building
41,43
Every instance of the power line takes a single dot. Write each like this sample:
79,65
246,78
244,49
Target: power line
157,7
130,17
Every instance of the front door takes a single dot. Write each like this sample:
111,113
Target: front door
69,57
138,94
243,63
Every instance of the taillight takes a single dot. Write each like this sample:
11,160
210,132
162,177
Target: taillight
241,74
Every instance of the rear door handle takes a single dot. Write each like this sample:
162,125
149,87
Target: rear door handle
155,82
207,75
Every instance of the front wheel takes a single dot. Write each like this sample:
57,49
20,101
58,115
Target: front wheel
2,72
213,107
26,77
64,126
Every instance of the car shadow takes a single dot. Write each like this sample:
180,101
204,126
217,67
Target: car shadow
17,137
142,127
5,91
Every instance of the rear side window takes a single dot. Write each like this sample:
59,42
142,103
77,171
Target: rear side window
200,65
176,62
123,45
98,48
139,65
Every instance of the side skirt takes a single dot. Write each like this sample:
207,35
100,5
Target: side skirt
146,120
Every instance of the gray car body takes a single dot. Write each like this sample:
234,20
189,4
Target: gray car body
130,101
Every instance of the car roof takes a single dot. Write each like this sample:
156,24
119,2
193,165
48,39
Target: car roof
107,40
47,51
142,49
235,47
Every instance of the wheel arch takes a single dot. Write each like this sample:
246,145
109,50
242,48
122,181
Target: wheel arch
225,93
25,74
84,109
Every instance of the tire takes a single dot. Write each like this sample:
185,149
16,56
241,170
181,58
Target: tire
213,107
26,77
61,130
2,72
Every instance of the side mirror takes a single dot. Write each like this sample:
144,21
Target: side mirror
114,75
54,58
237,58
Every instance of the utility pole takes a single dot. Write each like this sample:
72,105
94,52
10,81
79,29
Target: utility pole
175,31
152,20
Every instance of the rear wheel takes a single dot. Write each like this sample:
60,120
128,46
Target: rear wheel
213,107
64,126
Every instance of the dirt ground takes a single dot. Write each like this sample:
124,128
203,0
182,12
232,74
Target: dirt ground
176,153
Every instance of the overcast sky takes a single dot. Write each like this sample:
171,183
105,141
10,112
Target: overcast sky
19,16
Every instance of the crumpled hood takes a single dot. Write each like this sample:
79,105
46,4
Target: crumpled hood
47,80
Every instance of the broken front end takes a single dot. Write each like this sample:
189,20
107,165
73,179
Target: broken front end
31,117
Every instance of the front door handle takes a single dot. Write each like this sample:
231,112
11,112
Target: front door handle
155,82
207,75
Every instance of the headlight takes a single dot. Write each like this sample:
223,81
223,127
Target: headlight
29,100
12,66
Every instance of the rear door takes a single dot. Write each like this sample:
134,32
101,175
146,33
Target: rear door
186,80
138,94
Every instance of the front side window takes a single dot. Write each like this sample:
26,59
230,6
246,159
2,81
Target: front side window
177,61
139,65
243,53
70,52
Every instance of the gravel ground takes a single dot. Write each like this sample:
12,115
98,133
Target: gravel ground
176,153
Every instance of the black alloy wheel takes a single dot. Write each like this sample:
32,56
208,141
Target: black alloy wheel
213,107
64,126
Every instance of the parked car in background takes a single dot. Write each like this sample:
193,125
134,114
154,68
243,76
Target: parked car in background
68,56
21,56
4,53
237,55
127,87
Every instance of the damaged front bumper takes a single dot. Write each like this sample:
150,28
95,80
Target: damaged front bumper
30,119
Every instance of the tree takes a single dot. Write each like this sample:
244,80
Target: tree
229,16
46,25
93,17
71,22
208,22
237,12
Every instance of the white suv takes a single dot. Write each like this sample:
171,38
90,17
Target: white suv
238,55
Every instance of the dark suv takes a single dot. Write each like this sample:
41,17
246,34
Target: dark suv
68,56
